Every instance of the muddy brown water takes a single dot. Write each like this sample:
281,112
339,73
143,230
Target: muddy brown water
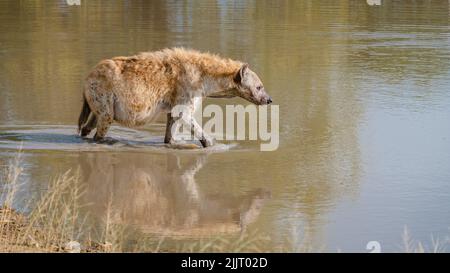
364,104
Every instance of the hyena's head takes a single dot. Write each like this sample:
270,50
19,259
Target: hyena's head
250,87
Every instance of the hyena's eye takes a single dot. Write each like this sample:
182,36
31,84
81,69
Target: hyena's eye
259,87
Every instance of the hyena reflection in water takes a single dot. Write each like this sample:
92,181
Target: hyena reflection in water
159,195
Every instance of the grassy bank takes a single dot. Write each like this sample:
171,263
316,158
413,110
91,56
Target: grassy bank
53,223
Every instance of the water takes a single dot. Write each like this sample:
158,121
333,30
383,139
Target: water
364,108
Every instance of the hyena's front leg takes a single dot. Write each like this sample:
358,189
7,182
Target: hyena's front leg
198,132
196,129
169,124
186,118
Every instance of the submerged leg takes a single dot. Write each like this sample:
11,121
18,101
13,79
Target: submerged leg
186,118
198,132
103,123
89,126
196,129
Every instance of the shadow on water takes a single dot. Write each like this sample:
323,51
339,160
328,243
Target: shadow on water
59,137
42,138
158,194
63,138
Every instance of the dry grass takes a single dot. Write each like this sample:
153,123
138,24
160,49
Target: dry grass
53,221
412,246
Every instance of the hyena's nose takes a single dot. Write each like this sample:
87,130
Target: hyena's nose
269,100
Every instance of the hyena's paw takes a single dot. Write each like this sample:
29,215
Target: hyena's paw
97,138
207,142
84,132
182,145
104,140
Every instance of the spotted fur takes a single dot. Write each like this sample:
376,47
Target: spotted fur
133,90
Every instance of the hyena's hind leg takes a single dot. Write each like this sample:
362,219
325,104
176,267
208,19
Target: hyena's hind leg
103,123
104,112
89,126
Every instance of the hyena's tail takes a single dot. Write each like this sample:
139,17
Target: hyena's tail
84,115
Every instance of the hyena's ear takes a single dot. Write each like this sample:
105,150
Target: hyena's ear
240,74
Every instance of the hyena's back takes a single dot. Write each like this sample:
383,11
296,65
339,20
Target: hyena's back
129,89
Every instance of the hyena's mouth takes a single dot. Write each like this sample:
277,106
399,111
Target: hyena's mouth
262,101
254,100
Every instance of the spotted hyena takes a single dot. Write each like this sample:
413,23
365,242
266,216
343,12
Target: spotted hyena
133,90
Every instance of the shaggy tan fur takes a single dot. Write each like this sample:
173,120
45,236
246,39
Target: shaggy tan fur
133,90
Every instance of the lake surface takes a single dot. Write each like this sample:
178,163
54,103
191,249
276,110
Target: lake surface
363,93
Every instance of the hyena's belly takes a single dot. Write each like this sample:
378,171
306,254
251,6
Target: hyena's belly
135,116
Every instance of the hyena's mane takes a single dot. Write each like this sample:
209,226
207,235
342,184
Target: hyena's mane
207,63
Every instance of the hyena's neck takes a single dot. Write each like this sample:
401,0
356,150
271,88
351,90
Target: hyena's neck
212,85
210,72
